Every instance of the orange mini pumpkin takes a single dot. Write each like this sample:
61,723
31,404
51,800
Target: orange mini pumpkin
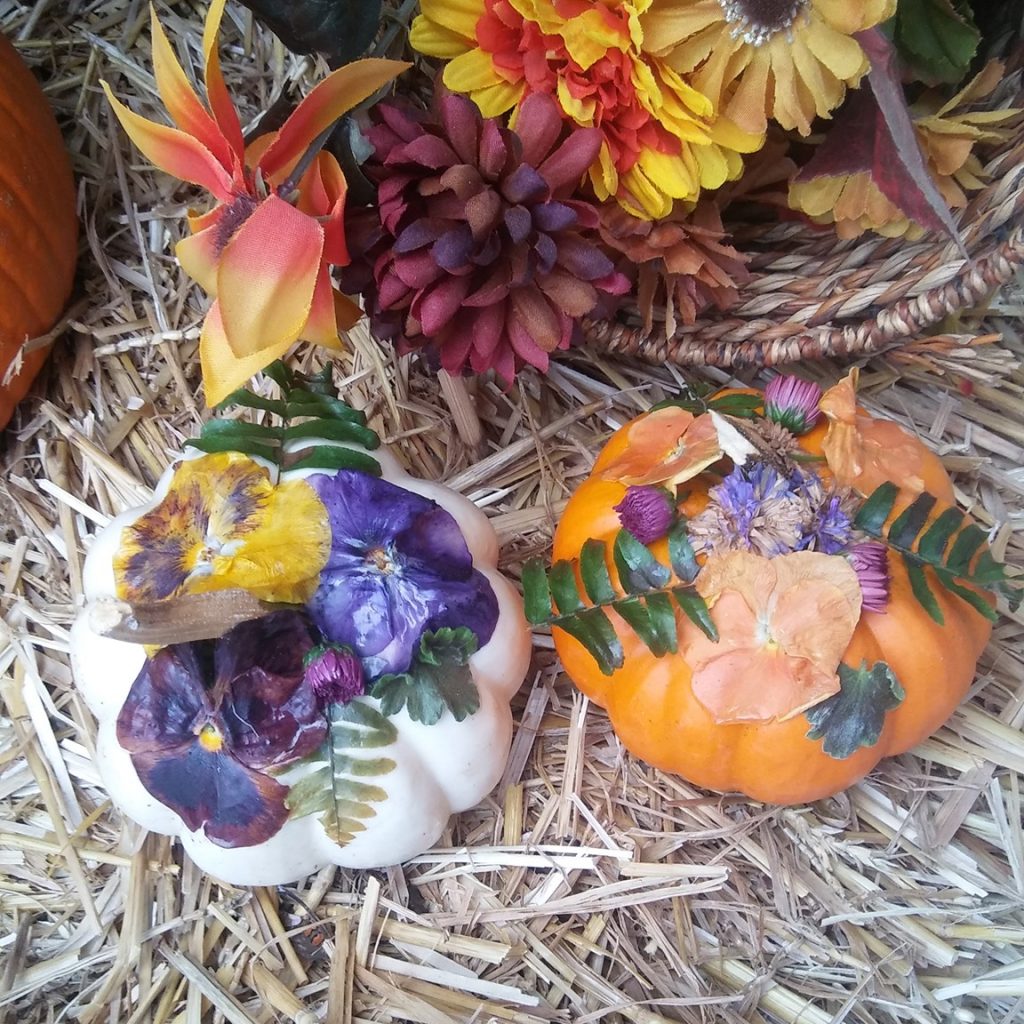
807,687
38,226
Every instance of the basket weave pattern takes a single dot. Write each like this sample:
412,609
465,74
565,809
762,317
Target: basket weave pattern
813,296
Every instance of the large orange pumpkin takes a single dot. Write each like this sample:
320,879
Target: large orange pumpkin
651,703
38,226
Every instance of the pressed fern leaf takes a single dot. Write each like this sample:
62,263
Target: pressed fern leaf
954,549
309,399
644,600
337,785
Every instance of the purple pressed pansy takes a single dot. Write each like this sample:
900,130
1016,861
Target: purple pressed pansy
335,673
398,565
647,512
204,721
792,403
870,561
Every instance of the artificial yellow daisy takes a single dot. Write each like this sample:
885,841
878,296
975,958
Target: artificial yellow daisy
947,134
790,60
663,140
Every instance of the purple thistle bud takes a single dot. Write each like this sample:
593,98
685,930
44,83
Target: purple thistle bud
792,403
335,673
870,561
647,512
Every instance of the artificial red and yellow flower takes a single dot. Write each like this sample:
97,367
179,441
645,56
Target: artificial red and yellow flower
667,447
662,139
947,134
265,250
784,624
790,60
864,453
224,524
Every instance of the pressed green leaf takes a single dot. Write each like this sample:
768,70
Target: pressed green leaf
987,570
922,591
638,569
854,717
595,632
333,786
536,592
226,443
333,430
696,610
562,579
873,513
328,457
663,619
594,571
910,522
637,617
681,554
972,597
933,543
969,541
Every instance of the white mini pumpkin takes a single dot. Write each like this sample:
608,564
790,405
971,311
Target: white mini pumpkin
417,774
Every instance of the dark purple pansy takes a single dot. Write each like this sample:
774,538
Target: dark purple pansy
399,565
204,721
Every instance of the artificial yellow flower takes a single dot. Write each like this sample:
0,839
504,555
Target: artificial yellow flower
790,60
663,140
947,134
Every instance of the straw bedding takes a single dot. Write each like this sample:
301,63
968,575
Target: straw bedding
588,888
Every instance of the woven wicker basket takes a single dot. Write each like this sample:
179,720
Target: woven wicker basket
812,295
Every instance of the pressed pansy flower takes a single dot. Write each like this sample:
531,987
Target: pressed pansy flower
667,447
790,60
398,566
265,249
870,562
864,453
792,403
784,624
222,524
661,137
205,722
647,512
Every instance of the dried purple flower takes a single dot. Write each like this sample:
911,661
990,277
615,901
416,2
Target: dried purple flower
479,253
647,512
828,521
335,673
870,561
792,402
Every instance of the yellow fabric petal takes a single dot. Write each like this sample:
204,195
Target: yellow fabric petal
199,256
668,22
841,54
471,70
590,35
435,40
457,16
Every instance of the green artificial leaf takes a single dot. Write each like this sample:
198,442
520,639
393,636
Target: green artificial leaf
654,630
681,554
345,431
696,610
326,456
854,717
936,39
594,630
335,784
637,567
562,579
744,407
439,679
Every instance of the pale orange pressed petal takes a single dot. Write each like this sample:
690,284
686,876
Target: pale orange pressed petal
172,150
223,371
216,90
339,92
267,275
669,445
181,101
321,327
199,256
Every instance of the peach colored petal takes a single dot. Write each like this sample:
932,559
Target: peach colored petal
267,275
322,193
172,150
216,91
181,101
321,326
669,445
199,256
337,93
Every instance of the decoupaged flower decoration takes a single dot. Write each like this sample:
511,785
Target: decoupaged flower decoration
205,722
479,251
398,566
791,60
221,524
265,249
784,624
662,139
